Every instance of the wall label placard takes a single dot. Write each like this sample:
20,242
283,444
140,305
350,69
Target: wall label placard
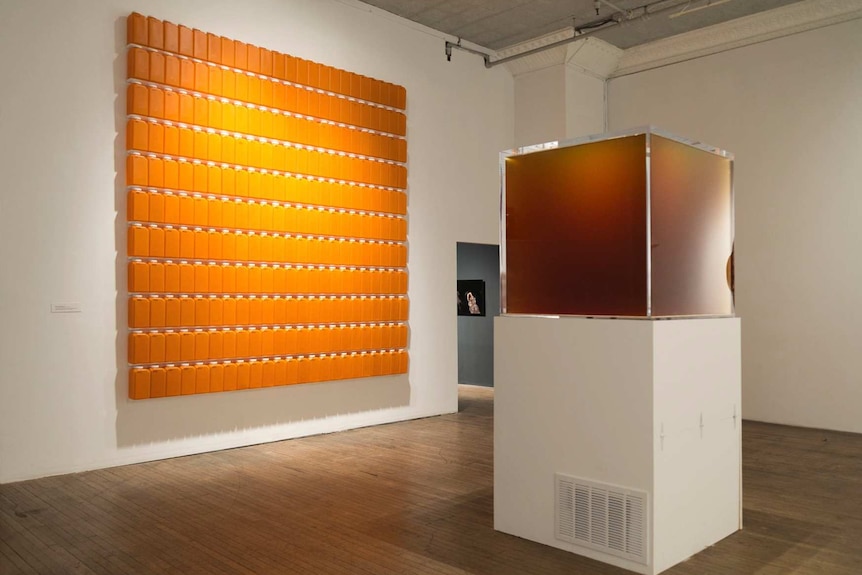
266,214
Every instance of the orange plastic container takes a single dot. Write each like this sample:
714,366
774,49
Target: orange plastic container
171,36
201,82
202,311
187,374
158,382
157,67
278,65
227,52
138,64
230,377
229,343
202,379
155,172
200,142
137,100
228,86
240,55
172,236
242,376
187,346
255,375
172,72
202,345
139,383
242,94
136,29
139,347
216,76
228,242
157,347
214,148
266,61
254,93
139,312
172,317
216,378
214,240
156,143
138,241
200,118
157,312
173,381
171,110
186,217
138,206
186,41
252,59
136,170
242,311
216,308
228,155
255,346
187,74
187,312
201,277
157,244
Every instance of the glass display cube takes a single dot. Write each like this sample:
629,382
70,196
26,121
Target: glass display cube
633,224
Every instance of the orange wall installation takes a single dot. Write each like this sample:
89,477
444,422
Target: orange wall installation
267,229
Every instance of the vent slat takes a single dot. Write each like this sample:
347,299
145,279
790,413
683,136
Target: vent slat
616,521
565,527
599,517
582,513
635,525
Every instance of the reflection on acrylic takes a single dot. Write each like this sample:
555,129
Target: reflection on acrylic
636,225
691,230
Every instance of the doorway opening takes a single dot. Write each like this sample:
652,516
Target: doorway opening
478,303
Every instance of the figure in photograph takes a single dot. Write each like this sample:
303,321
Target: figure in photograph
471,297
472,306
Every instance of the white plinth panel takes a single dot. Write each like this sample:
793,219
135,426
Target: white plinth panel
650,406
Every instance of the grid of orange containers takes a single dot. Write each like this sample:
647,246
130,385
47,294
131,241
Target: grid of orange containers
267,228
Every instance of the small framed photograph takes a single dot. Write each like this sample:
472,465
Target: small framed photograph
471,297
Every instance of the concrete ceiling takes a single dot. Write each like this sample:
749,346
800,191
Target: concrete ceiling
497,24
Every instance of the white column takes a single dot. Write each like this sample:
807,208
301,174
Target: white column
560,92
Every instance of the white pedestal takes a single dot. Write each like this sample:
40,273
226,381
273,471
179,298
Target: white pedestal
650,406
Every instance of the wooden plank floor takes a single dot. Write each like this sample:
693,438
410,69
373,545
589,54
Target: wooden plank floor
404,498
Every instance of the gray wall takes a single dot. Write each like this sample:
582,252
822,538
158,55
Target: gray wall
476,334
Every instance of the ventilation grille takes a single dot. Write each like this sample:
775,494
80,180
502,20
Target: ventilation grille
603,517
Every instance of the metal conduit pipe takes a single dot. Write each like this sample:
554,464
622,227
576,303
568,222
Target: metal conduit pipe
450,45
590,28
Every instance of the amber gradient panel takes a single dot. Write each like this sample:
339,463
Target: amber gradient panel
692,227
576,230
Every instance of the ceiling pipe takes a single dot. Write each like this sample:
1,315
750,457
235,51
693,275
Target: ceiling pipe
609,4
585,30
450,45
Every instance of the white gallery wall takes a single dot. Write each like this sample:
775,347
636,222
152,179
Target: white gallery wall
790,110
63,403
540,105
